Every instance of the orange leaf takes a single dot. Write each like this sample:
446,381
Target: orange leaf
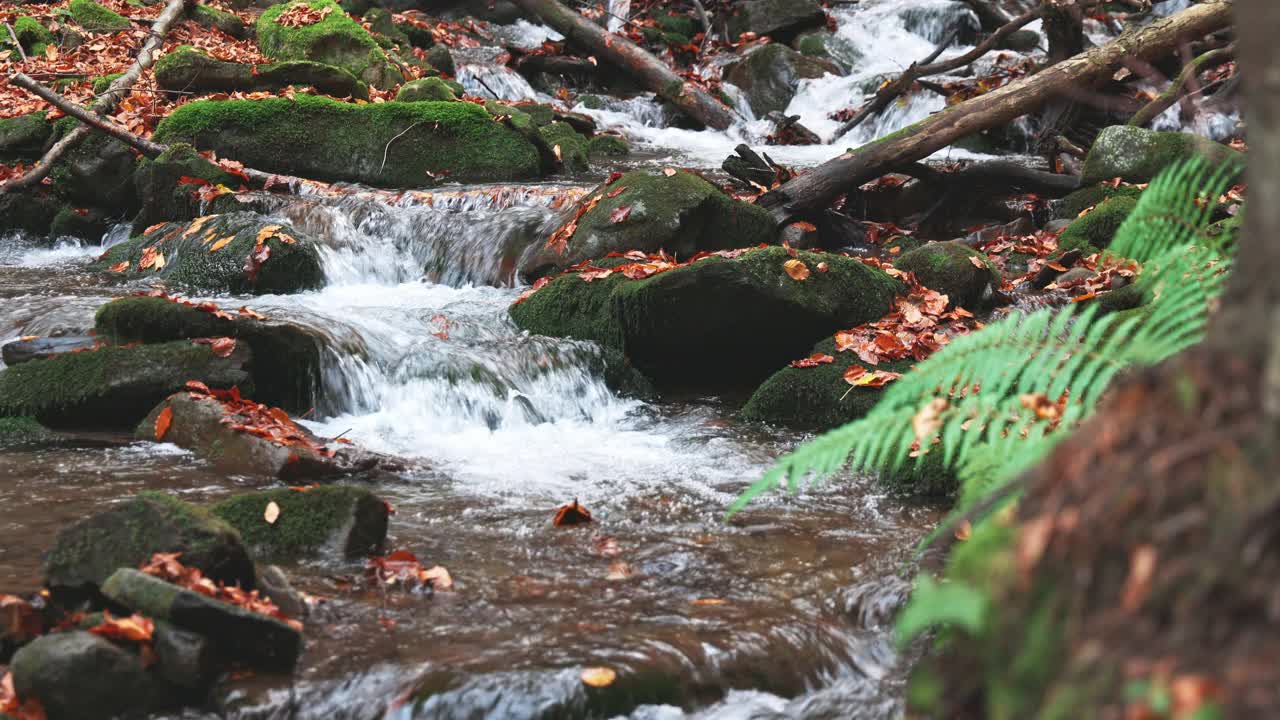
813,360
134,628
805,226
976,262
572,514
796,269
599,677
163,421
119,267
221,243
669,172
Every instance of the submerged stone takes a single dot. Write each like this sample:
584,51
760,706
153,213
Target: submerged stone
114,387
682,214
191,261
340,519
86,553
398,144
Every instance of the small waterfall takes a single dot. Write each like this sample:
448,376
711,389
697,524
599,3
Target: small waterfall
486,80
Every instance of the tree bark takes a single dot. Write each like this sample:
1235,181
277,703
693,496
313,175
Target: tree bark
105,104
1064,27
618,50
815,190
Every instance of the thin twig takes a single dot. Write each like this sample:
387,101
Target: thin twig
17,43
397,137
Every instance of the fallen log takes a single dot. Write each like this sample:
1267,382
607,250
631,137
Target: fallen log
117,91
1185,79
652,73
814,191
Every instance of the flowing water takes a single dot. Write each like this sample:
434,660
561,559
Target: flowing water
785,611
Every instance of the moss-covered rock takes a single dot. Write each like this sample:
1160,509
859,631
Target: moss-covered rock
335,518
88,224
98,171
336,40
285,364
441,59
815,399
325,139
31,211
1137,155
1094,231
770,74
166,196
608,146
1091,196
86,553
953,269
191,262
81,676
23,137
682,214
23,430
187,68
113,387
238,634
96,19
223,21
103,83
430,89
32,35
716,322
780,19
573,147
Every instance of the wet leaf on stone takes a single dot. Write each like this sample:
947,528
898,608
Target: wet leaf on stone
796,270
813,360
272,513
119,267
223,242
572,514
620,215
163,421
598,677
135,628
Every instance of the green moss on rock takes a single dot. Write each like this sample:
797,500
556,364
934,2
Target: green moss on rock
165,196
1137,155
1095,231
97,19
187,68
607,146
226,22
325,139
335,40
113,386
1087,197
32,35
349,520
952,268
102,84
818,398
573,147
23,137
86,553
431,89
189,262
22,430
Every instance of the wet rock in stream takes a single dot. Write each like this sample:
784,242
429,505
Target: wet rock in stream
349,521
81,676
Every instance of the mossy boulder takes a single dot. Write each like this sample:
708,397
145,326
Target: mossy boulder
718,321
573,147
97,19
31,211
98,171
607,146
682,214
431,89
190,69
190,262
220,20
204,426
815,399
1137,155
953,269
239,635
1094,231
1093,195
780,19
324,139
103,83
441,59
114,387
23,431
285,358
770,74
32,35
23,137
336,40
87,552
348,520
77,675
163,184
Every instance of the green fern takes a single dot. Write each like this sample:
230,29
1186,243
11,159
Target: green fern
1048,352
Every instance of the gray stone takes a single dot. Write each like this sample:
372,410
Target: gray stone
80,676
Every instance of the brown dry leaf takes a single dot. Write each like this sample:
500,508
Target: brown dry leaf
813,360
163,421
618,570
196,225
1190,692
438,576
272,513
822,266
928,420
668,171
223,346
804,226
976,262
1142,565
134,628
710,601
1032,541
572,514
119,267
18,620
796,270
598,677
964,531
221,243
559,154
151,258
266,232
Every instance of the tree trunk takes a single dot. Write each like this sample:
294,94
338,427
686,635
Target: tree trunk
1064,27
815,190
620,51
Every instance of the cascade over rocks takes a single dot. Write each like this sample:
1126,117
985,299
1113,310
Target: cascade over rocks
682,214
393,144
193,256
114,387
717,321
1137,155
86,553
337,519
770,74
